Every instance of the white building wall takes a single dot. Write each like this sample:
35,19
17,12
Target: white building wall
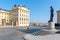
19,15
23,16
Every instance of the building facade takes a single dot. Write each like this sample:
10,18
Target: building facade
4,18
58,16
18,16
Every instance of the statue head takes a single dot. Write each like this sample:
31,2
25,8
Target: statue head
15,5
51,7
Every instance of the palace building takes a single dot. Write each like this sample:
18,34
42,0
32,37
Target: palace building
18,16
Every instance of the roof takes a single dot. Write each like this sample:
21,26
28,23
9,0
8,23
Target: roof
5,10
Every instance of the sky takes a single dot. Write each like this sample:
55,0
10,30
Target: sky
39,9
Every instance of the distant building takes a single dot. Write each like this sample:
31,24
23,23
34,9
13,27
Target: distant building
39,24
58,16
18,16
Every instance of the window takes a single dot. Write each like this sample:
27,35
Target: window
20,18
7,20
20,14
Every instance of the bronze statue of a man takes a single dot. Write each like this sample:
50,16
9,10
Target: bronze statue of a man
51,14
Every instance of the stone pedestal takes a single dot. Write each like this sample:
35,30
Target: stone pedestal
51,28
51,25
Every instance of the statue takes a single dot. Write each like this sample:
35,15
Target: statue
15,5
51,15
